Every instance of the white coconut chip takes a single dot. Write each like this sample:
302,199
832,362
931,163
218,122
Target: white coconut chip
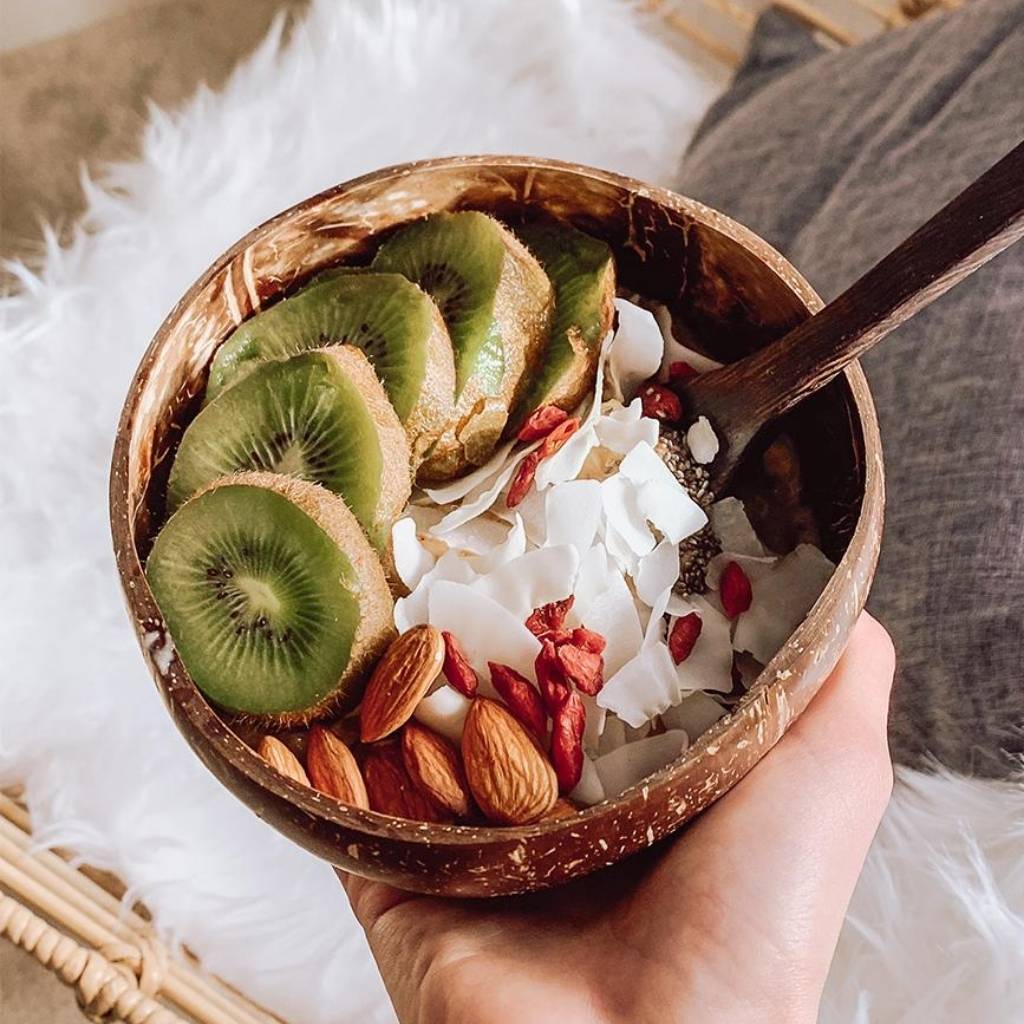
572,511
782,598
531,580
675,351
595,723
479,536
511,547
624,426
567,462
694,714
709,666
452,492
413,610
633,762
702,441
445,711
731,526
636,350
603,603
486,630
589,790
644,687
412,560
657,572
660,497
625,517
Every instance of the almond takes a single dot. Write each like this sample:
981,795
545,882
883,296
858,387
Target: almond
390,789
281,759
400,681
435,768
332,768
512,781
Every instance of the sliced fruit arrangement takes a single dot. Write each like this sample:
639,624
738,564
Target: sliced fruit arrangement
582,271
393,321
320,416
275,599
497,302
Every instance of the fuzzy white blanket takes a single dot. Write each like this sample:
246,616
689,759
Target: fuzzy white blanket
936,929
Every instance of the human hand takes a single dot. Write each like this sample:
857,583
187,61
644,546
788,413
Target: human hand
736,920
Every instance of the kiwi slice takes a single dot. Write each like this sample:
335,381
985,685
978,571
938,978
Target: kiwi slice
320,416
392,320
496,301
275,601
582,271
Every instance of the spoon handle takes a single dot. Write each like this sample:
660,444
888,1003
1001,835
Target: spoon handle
966,233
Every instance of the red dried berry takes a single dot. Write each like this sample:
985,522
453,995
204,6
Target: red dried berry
567,743
457,669
679,372
661,403
541,422
523,480
734,590
683,637
558,437
549,617
551,677
588,640
584,669
521,696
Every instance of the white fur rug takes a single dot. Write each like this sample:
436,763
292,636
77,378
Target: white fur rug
936,930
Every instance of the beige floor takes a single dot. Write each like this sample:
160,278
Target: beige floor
82,98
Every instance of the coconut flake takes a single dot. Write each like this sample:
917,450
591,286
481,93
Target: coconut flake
624,427
624,515
595,722
731,526
413,610
479,536
782,598
512,547
709,666
445,711
636,350
567,462
660,497
644,687
531,580
478,478
702,441
694,714
412,560
487,631
572,511
657,573
589,790
635,761
605,605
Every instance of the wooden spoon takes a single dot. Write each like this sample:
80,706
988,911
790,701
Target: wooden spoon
738,399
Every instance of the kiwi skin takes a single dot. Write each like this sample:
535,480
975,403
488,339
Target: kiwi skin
522,314
376,628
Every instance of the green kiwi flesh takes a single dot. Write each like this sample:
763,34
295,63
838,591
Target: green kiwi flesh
582,270
320,416
392,320
269,592
496,301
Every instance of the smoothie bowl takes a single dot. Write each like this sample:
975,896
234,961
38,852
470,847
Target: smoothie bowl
416,535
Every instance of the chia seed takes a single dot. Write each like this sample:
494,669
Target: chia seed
694,552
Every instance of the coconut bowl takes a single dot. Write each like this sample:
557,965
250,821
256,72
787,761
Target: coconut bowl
726,286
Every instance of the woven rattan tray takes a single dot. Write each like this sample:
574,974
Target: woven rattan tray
73,920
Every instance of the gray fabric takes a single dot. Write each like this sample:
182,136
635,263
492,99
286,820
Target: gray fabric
834,158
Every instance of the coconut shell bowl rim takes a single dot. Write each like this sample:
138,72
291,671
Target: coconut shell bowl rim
762,716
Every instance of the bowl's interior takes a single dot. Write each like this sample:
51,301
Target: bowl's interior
731,291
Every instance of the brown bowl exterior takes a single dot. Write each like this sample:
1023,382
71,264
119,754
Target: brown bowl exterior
729,286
